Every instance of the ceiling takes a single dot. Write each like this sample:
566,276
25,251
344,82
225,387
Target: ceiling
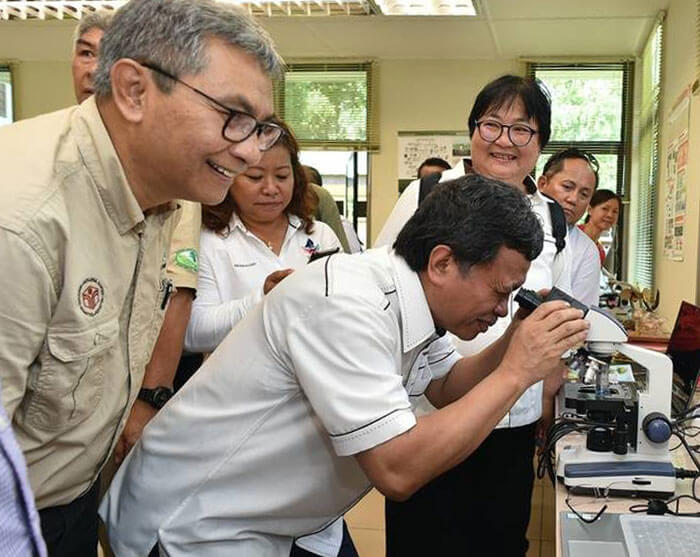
504,29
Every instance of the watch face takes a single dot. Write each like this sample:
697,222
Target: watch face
161,395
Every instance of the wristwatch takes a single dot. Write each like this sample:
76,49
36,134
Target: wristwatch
156,397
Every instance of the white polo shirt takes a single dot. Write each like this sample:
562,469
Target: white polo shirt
585,267
547,270
253,451
232,272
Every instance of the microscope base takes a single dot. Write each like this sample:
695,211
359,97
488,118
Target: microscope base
613,474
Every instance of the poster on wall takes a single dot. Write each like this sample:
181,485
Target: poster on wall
676,178
416,146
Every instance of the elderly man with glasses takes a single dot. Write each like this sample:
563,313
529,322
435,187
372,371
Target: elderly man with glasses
482,506
86,220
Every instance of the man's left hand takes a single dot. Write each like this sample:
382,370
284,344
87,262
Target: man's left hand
141,414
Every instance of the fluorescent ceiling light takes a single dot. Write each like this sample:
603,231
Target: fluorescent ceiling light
70,9
427,7
50,9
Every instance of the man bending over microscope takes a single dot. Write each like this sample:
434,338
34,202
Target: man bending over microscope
307,403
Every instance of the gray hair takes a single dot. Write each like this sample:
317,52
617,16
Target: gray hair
99,19
172,34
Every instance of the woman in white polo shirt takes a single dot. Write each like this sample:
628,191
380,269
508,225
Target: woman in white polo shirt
253,239
260,233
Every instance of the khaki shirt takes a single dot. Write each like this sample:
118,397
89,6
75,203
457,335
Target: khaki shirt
183,256
81,295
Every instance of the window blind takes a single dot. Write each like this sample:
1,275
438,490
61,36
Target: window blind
330,106
6,105
645,228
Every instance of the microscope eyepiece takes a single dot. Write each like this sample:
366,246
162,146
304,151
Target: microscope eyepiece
530,300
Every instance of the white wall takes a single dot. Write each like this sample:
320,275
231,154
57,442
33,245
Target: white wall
677,281
41,87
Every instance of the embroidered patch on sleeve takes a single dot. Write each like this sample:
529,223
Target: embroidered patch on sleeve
187,259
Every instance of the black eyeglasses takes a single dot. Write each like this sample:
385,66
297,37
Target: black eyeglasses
519,134
239,125
595,165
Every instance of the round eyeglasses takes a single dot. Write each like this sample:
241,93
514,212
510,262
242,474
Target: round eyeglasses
239,125
519,134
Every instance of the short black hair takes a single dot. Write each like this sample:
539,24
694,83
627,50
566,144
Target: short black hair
555,163
474,216
504,91
312,175
433,161
603,196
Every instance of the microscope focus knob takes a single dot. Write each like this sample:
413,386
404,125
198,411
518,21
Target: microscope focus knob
599,439
657,427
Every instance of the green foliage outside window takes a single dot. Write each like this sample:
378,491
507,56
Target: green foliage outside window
586,105
328,106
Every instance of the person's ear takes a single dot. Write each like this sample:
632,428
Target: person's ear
541,182
130,83
440,264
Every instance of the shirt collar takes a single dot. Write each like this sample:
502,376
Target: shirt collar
105,169
236,222
417,323
538,198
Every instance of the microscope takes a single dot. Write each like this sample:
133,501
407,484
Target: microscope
628,425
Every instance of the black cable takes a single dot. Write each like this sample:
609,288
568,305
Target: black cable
562,426
659,507
579,515
681,437
690,410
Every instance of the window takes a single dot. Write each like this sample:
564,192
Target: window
644,208
331,110
329,106
344,175
601,128
6,116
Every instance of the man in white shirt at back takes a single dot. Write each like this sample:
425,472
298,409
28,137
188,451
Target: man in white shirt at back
570,177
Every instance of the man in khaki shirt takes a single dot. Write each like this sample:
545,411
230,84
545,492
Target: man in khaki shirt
85,224
181,270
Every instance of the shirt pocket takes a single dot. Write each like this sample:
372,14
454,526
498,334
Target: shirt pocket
419,377
68,387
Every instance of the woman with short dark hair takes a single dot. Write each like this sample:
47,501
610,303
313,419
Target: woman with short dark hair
603,212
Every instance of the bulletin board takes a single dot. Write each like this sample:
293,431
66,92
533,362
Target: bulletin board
676,178
416,146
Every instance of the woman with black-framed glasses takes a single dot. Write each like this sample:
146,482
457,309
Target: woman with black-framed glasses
462,512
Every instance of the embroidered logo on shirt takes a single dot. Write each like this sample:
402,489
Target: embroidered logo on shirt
187,259
90,296
310,248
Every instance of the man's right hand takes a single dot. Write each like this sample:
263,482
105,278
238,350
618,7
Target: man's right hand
274,278
537,345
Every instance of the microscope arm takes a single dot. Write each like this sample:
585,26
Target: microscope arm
657,395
